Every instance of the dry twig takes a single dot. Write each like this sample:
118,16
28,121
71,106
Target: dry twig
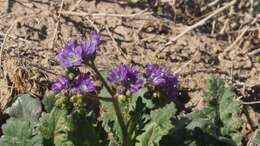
254,52
75,6
57,24
183,66
250,103
7,35
189,28
93,24
105,14
15,37
7,6
115,43
249,143
236,41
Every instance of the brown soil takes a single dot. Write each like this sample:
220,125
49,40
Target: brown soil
28,57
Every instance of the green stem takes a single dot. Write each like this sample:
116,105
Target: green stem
218,122
115,104
108,99
225,140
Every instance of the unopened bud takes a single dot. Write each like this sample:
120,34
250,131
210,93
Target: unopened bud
121,97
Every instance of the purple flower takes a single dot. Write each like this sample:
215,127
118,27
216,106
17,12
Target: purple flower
70,55
90,45
159,77
83,83
126,77
60,83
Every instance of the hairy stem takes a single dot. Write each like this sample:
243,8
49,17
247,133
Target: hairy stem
217,120
225,140
115,104
90,96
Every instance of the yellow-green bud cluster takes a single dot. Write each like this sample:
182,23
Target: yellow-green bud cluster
61,100
77,101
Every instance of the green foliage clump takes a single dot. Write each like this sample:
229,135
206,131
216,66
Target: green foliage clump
148,123
256,7
159,125
218,118
19,133
54,127
20,130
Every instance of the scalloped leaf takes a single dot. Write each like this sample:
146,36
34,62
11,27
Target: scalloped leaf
140,93
109,119
256,140
19,133
256,7
158,126
55,127
220,101
227,108
86,130
201,119
110,122
49,102
25,108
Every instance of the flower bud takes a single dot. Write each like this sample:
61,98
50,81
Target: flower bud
128,93
70,74
61,101
76,99
156,94
121,97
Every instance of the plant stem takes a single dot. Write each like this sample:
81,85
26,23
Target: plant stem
217,119
115,104
108,99
225,140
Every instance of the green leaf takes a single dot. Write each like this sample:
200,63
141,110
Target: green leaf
219,114
256,139
87,131
201,119
140,93
104,92
226,108
49,102
110,122
55,127
216,87
158,126
25,108
256,7
19,133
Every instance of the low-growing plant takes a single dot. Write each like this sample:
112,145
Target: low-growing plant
117,106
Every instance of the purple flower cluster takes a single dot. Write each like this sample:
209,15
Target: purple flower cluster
125,77
70,55
159,77
60,83
73,53
82,84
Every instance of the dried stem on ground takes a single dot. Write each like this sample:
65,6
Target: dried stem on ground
57,24
15,37
189,28
7,6
236,41
75,6
252,102
116,45
249,143
8,33
142,13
